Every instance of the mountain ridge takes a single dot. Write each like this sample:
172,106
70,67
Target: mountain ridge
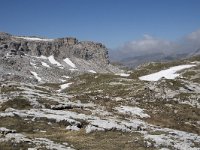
64,56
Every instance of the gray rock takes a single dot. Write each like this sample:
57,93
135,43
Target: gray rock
19,56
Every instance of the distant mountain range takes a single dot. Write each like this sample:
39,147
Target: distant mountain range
134,61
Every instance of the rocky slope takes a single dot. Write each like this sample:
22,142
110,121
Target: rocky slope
57,106
21,56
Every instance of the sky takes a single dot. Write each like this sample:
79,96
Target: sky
112,22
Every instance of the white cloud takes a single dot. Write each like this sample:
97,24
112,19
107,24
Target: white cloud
194,36
149,45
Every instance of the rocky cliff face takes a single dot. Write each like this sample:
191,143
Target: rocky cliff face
59,48
27,58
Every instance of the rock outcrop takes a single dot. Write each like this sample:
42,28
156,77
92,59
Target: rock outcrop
60,48
31,59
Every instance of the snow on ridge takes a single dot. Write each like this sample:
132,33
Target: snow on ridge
36,76
62,80
64,86
73,69
53,61
34,39
67,77
45,64
92,71
132,111
168,73
38,57
43,57
34,65
122,74
69,62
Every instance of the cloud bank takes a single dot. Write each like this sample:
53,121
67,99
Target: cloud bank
149,45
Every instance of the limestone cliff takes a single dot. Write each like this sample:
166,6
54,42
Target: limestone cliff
25,58
59,48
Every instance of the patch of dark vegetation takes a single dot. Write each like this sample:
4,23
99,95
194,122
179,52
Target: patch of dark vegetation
7,89
42,89
11,145
17,103
28,126
47,102
55,86
112,140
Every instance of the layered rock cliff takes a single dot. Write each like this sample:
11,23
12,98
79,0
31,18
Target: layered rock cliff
59,48
50,58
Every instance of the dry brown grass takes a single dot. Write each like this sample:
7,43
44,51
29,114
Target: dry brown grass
112,140
17,103
174,117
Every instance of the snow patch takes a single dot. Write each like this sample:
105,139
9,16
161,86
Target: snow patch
168,73
53,61
62,80
34,39
69,62
73,69
45,64
43,57
92,71
64,86
36,76
34,65
67,77
122,74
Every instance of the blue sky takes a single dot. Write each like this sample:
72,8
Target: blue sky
112,22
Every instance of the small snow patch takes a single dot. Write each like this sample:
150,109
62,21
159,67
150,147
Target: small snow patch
92,71
123,74
69,62
34,65
64,86
67,77
34,39
36,76
45,64
53,61
73,69
43,57
62,80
